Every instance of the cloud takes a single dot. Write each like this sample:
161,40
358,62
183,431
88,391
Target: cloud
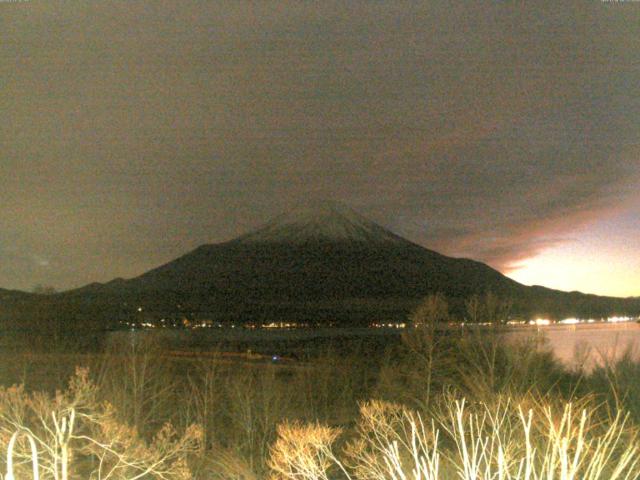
139,131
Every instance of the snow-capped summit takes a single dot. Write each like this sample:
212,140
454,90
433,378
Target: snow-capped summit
328,221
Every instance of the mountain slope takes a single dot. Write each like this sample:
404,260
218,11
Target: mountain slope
323,263
330,252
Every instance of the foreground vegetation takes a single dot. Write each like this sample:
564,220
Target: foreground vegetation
457,403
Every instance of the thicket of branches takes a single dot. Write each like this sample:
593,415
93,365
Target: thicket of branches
72,434
446,403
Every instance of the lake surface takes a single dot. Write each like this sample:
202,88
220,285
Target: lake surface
577,345
580,345
588,344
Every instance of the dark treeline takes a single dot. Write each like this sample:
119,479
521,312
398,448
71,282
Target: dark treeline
90,311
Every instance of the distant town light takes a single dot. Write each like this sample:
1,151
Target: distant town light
569,321
540,321
388,325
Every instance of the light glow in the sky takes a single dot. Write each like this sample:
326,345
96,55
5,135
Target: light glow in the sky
602,259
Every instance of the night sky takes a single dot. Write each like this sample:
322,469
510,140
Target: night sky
133,132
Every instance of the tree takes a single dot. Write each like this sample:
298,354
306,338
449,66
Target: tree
473,307
433,310
428,348
487,309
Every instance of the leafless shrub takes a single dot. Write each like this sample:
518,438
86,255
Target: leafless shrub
77,436
257,400
304,452
135,375
531,440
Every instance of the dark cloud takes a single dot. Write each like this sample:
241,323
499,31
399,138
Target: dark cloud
135,131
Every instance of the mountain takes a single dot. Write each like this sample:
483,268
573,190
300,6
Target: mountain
327,253
323,263
328,221
14,295
13,302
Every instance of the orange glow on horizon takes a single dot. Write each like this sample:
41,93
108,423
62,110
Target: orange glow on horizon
577,267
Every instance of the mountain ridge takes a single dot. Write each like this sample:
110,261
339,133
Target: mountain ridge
326,265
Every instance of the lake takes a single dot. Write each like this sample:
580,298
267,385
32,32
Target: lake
574,345
587,344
